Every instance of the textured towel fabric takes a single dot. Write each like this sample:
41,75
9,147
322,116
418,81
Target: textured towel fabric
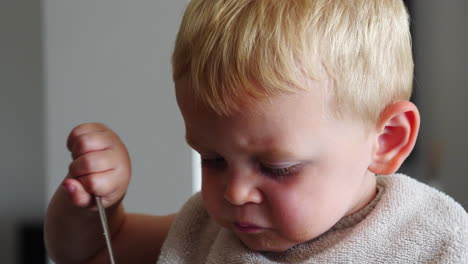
407,222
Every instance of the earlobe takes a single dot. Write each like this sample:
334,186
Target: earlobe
397,128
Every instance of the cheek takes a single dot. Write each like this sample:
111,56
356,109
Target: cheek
288,213
212,194
292,215
306,211
210,183
354,157
349,176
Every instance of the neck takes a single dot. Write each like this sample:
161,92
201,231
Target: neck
366,194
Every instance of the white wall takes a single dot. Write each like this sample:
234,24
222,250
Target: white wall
441,42
109,61
21,121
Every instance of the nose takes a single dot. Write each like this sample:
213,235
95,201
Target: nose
242,189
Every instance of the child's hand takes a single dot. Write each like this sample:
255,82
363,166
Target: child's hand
100,166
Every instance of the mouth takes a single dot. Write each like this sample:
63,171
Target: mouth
247,227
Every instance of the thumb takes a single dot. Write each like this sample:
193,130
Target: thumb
77,193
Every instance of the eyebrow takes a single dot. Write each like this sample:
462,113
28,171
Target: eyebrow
190,142
270,151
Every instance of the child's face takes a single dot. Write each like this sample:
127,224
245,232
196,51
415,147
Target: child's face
282,171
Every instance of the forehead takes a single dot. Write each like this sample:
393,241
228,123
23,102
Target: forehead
284,117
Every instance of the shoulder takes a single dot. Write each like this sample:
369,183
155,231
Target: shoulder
406,192
435,222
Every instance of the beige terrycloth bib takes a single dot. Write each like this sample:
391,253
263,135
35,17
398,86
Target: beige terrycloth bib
407,222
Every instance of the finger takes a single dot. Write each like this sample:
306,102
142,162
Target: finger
93,141
92,162
82,129
101,184
77,193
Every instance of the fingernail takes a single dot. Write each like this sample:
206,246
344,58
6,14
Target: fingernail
70,188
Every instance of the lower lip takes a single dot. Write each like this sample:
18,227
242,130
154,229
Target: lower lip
247,228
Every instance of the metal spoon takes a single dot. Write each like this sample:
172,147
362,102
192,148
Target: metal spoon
105,227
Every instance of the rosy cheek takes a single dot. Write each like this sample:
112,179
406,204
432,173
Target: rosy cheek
287,210
212,197
210,183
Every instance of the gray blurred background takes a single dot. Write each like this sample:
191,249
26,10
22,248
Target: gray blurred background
64,62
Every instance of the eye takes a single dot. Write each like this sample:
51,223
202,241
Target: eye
279,172
217,163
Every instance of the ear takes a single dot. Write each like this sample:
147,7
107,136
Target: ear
397,131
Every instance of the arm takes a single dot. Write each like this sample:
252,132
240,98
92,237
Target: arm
73,232
139,240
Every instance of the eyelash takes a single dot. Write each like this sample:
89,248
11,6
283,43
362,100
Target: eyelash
213,163
279,173
276,173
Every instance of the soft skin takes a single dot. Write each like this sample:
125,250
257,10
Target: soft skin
73,233
286,168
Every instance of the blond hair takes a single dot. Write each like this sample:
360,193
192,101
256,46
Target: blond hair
233,50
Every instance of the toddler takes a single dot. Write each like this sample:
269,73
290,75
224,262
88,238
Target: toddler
294,107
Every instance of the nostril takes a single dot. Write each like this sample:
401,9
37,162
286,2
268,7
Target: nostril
232,198
235,194
242,194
